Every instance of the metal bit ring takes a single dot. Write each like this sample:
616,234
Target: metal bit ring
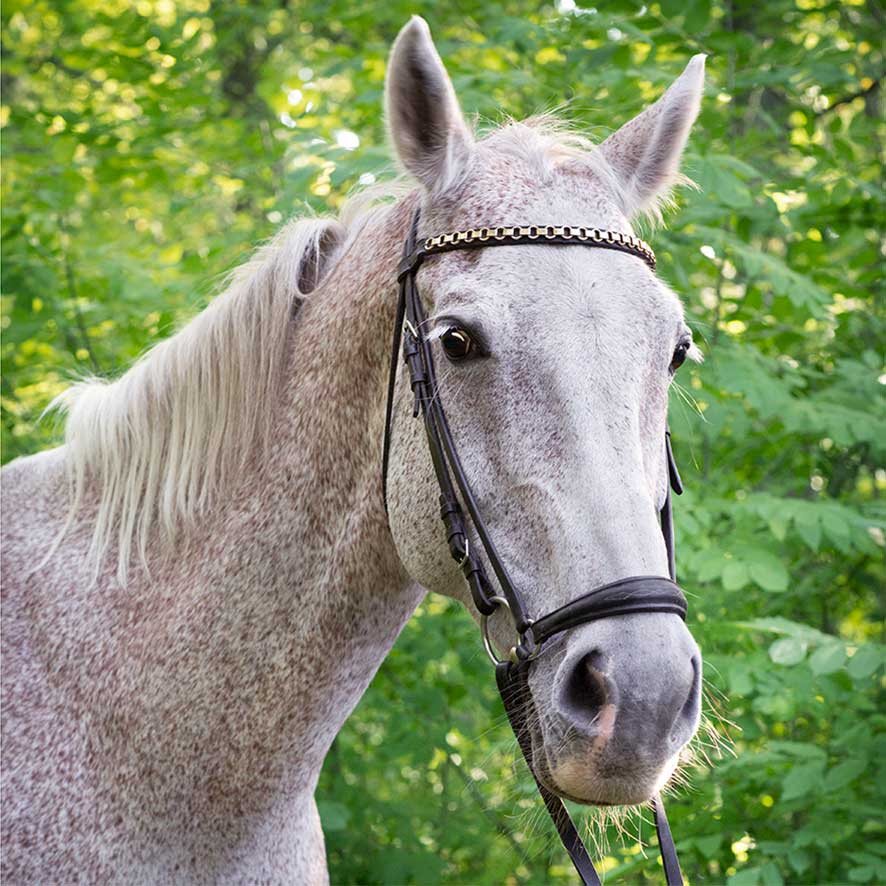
487,643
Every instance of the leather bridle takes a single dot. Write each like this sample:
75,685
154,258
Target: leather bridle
626,596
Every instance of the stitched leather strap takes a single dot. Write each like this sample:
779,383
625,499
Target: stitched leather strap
392,382
641,593
673,874
513,685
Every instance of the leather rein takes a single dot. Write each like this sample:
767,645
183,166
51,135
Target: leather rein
623,597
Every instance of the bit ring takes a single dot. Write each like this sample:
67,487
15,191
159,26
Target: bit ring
487,643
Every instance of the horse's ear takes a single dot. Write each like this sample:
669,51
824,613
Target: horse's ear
645,152
314,263
425,122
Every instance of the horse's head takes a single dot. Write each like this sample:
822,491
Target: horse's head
553,367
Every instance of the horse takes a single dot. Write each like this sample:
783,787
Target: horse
201,582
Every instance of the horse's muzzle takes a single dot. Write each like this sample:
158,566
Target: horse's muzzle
626,699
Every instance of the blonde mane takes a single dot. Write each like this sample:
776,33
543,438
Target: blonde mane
162,440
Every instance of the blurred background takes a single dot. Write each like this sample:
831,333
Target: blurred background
149,145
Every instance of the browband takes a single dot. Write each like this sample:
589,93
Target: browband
552,235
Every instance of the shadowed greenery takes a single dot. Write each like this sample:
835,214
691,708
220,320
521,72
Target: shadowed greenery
149,145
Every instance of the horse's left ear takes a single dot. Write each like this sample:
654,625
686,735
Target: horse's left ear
645,152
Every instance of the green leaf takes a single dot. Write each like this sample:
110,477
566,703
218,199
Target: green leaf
717,179
709,845
828,658
802,749
334,816
810,532
799,860
836,528
735,575
768,571
788,651
802,780
866,660
786,627
771,876
778,526
745,877
741,680
708,564
843,773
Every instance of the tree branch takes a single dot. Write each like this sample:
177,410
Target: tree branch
72,295
486,812
861,93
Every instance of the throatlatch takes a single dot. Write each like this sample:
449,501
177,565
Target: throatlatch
627,596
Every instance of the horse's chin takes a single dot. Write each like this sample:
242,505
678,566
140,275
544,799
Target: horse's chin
577,777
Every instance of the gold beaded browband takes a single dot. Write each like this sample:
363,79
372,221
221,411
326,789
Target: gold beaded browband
563,235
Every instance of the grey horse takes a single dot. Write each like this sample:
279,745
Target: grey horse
199,585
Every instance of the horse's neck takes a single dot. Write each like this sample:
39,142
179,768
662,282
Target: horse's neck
280,609
347,594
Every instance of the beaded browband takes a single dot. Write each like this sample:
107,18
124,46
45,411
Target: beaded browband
562,235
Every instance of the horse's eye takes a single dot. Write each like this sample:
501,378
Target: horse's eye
457,344
680,355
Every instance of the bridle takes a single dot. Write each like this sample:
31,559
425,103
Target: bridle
636,594
626,596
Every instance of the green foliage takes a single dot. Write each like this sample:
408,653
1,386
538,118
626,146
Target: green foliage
147,146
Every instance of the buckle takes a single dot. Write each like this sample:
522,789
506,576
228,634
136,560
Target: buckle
467,556
484,630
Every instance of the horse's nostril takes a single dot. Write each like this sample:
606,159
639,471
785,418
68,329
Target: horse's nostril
586,690
692,706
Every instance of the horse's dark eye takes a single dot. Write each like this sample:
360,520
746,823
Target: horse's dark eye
457,344
679,357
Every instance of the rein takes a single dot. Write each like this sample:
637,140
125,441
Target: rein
623,597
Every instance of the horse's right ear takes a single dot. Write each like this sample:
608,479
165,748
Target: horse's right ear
425,123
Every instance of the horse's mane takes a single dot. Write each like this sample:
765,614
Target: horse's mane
161,441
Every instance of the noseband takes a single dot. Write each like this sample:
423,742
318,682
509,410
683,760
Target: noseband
626,596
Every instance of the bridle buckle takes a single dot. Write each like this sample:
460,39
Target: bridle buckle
467,554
